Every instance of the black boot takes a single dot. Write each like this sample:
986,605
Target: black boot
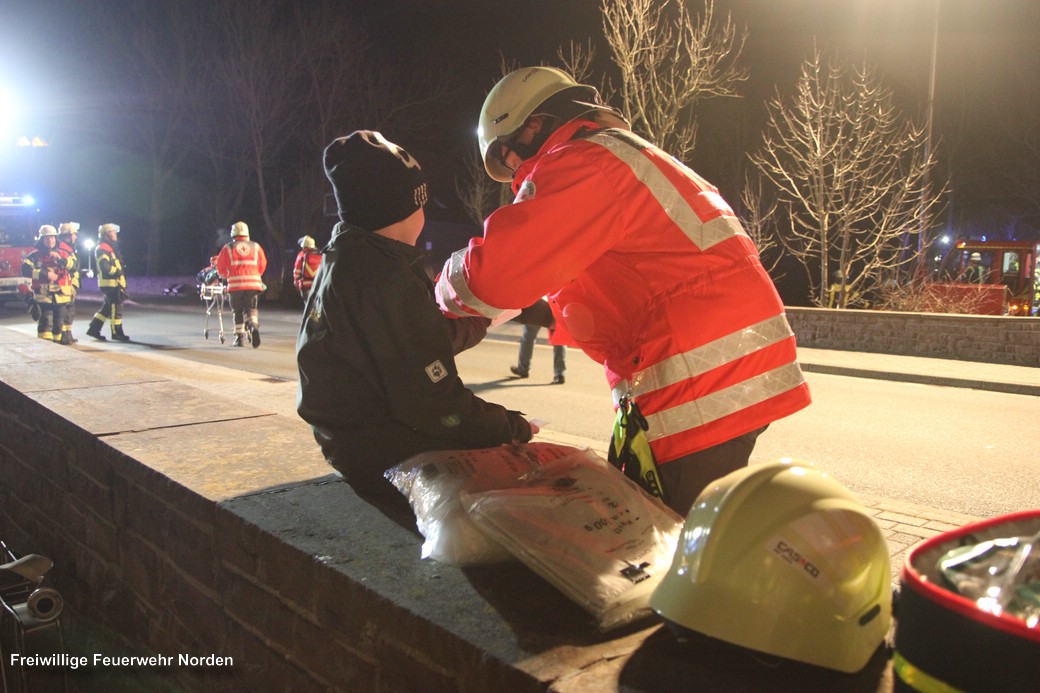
94,330
239,340
254,334
117,334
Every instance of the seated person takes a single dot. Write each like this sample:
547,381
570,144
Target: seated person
376,357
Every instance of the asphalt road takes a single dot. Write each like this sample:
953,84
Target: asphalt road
963,450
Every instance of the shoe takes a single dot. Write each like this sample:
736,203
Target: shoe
96,334
254,335
558,380
515,370
239,341
120,337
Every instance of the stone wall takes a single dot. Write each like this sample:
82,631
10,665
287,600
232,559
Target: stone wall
990,339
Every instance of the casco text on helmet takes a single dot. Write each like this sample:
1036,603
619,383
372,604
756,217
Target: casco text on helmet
782,559
239,230
509,104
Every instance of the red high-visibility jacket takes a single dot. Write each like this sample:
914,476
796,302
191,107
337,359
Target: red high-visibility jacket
651,274
307,263
242,262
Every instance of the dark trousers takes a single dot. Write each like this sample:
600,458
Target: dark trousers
685,477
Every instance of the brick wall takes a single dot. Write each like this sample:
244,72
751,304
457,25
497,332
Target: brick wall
989,339
301,584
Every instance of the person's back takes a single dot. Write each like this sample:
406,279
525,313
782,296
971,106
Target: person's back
647,268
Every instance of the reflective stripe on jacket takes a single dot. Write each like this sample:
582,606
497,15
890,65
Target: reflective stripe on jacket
35,266
242,262
649,272
110,267
307,263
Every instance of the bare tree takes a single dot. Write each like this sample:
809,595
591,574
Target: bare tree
480,195
669,59
849,172
157,80
759,220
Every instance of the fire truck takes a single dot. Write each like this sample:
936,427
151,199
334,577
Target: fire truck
990,277
19,219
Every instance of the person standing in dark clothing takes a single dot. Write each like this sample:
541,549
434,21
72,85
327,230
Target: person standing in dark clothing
111,282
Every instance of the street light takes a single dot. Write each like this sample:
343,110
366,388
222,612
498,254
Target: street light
88,244
926,189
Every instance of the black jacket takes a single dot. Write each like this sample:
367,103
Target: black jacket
378,381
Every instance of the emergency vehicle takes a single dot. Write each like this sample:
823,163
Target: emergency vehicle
19,222
1010,277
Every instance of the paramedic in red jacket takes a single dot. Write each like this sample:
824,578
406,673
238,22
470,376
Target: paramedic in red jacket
242,262
646,268
308,260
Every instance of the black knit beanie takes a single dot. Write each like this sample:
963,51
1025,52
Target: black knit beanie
376,182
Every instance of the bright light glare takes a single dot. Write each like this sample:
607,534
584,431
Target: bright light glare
88,243
8,113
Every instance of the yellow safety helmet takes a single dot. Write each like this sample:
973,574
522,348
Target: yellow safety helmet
239,230
516,97
46,230
306,242
67,228
782,559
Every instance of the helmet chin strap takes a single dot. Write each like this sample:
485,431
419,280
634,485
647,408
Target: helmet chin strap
526,151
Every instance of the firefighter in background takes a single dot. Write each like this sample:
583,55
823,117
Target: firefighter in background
647,268
307,263
67,234
242,262
974,272
112,283
51,284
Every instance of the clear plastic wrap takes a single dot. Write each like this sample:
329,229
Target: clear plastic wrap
432,482
587,529
1002,575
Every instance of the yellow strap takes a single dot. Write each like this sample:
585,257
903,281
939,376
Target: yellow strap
917,679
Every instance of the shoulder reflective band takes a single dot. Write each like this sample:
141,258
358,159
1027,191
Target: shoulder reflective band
703,234
453,291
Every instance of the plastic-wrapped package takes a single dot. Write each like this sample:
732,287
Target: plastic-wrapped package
432,482
587,529
1002,575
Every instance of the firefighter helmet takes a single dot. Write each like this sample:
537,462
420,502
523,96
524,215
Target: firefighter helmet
46,230
114,228
306,242
521,94
68,228
781,559
239,230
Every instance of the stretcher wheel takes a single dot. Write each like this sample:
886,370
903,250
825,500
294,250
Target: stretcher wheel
206,334
221,339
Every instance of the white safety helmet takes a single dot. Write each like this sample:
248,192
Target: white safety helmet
239,230
518,96
977,257
46,230
114,228
781,559
68,228
306,242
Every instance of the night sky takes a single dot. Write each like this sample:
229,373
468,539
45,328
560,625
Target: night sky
988,60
